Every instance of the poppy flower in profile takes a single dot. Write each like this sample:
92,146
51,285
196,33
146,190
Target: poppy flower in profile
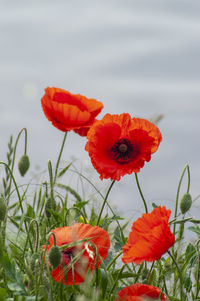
140,292
119,145
86,258
150,237
68,111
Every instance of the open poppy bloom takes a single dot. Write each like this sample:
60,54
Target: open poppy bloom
140,292
150,237
119,145
83,251
69,111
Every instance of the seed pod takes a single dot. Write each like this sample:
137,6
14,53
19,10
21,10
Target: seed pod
50,204
2,209
185,203
23,165
55,257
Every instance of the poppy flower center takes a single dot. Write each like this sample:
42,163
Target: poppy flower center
67,255
123,148
124,151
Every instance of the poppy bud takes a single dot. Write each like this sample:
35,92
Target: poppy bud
23,165
2,209
185,203
55,256
50,204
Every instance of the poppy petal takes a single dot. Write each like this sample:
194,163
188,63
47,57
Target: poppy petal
69,111
119,145
140,292
150,237
94,236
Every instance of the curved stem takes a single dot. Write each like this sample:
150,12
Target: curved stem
14,153
141,194
59,157
28,238
105,200
178,191
19,197
54,237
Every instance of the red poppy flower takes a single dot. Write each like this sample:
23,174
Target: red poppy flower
150,237
69,111
87,261
119,145
140,292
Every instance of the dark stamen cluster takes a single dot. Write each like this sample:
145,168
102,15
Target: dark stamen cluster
122,151
67,255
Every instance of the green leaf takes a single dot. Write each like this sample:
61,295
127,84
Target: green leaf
187,282
119,243
93,217
63,171
15,277
9,267
190,255
195,229
72,191
2,294
108,220
80,205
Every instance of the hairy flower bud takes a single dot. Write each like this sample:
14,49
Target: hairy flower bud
23,165
185,203
2,209
55,257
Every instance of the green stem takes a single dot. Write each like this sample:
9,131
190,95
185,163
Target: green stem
28,238
163,276
105,200
12,177
178,191
138,273
101,195
40,274
114,259
182,295
141,194
59,157
14,154
19,197
198,269
116,280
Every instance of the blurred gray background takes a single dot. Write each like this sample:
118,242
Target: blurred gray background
136,56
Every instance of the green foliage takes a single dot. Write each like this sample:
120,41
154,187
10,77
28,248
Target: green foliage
25,273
